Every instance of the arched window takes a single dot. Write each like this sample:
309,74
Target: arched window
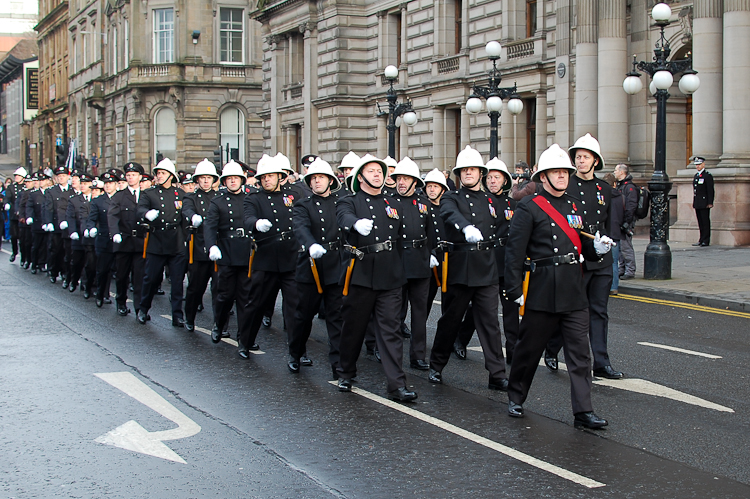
127,133
232,133
165,134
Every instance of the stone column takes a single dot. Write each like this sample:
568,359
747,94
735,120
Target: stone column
586,103
612,66
563,91
707,60
507,149
310,115
382,138
736,150
278,80
641,116
465,131
541,124
438,137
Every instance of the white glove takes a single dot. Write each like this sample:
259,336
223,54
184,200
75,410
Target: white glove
316,251
263,225
433,262
50,228
45,228
93,232
29,221
214,253
63,225
196,220
117,239
519,300
86,233
74,236
151,215
473,235
363,226
7,206
602,244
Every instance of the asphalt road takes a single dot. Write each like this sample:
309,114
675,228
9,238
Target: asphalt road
70,374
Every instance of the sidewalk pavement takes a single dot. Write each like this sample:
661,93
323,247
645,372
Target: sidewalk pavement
8,165
713,276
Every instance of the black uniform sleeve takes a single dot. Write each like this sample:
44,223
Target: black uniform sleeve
71,217
251,213
211,225
709,189
144,204
521,227
346,215
451,214
93,218
302,223
188,208
630,192
48,208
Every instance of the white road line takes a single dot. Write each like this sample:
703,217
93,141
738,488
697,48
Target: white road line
681,350
225,340
6,251
473,437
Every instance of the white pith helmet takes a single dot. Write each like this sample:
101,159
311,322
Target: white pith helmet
367,158
322,167
205,167
590,144
468,158
553,158
497,164
407,166
232,169
166,165
437,177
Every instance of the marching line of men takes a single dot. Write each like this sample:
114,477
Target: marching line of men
356,253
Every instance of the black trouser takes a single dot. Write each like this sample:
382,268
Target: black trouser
233,287
597,282
536,329
270,305
104,262
358,306
262,285
25,239
200,273
417,293
57,258
38,248
153,275
14,232
456,300
432,293
308,305
127,262
83,258
704,224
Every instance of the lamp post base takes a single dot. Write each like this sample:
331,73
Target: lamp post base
657,261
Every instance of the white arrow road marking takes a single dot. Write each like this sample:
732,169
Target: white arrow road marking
473,437
132,436
645,387
225,340
681,350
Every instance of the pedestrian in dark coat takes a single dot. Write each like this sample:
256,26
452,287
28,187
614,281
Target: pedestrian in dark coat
703,200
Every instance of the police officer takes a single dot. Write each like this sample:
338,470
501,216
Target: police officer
374,278
11,208
161,206
471,222
435,187
268,216
97,225
417,255
229,246
34,209
348,163
76,215
546,229
24,229
703,200
56,205
319,264
127,238
194,210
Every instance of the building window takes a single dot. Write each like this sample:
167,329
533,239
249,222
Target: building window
231,34
394,39
232,133
126,47
165,134
530,107
114,50
127,133
530,19
85,51
75,55
457,9
163,36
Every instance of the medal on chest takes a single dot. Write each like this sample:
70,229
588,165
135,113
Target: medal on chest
575,221
422,208
508,214
492,209
391,212
288,200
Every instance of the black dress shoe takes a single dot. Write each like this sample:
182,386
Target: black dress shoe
377,356
87,294
402,395
99,303
266,321
435,376
178,322
189,326
550,361
108,301
696,244
225,334
293,365
72,287
405,330
608,373
65,284
345,385
215,335
419,364
589,420
255,347
53,280
141,317
305,361
34,270
160,292
459,350
498,384
123,311
703,245
12,258
243,353
515,410
370,351
26,265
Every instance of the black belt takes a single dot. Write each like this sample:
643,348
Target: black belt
416,243
166,226
371,248
284,236
232,234
480,246
332,246
569,259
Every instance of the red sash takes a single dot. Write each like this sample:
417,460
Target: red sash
555,215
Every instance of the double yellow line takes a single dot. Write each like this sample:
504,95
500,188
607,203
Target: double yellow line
689,306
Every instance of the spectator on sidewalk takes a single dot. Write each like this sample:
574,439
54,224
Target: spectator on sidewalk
449,181
630,198
617,234
703,201
522,183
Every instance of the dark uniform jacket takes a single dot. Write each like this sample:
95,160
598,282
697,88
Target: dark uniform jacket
416,240
703,190
595,197
122,219
34,209
437,233
21,202
224,227
314,221
629,198
505,207
167,237
76,214
11,197
379,271
299,189
98,217
459,209
56,206
533,234
277,248
197,203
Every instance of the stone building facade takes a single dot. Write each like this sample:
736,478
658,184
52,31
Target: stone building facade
324,91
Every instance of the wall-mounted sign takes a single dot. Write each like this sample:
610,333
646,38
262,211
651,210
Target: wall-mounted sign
52,92
32,88
561,70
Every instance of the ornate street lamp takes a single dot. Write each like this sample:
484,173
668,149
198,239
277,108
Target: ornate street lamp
657,262
396,111
494,95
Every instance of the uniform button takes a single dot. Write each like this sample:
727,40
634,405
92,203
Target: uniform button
554,237
473,215
583,202
555,250
377,239
471,204
553,224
